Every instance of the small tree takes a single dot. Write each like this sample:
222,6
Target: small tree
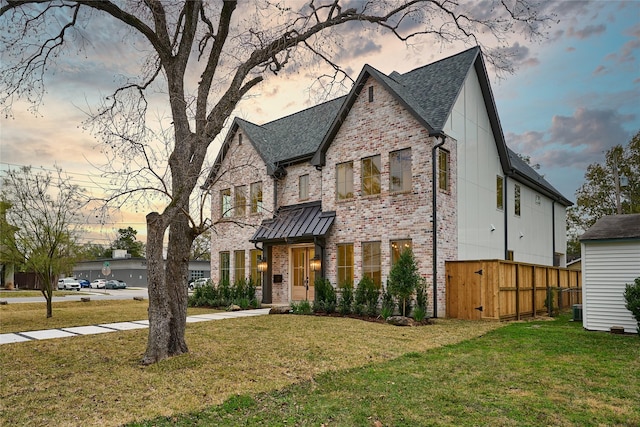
404,278
127,241
632,298
44,214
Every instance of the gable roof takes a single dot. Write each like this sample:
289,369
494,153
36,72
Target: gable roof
614,227
429,93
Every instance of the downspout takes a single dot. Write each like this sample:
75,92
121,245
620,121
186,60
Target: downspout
434,208
553,233
506,217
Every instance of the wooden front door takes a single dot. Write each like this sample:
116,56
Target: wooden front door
302,277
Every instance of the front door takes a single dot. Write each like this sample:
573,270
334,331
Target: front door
302,276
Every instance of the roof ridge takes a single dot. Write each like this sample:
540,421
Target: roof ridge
448,58
301,111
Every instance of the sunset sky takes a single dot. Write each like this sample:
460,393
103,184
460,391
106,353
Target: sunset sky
572,97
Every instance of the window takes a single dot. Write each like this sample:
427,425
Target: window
196,274
370,175
370,93
443,169
344,180
303,187
400,170
238,266
241,200
239,139
371,261
225,203
397,247
256,197
499,192
224,267
516,203
345,263
256,276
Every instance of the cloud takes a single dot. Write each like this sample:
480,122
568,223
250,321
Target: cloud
574,141
586,32
600,70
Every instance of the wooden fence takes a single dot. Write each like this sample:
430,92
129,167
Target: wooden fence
507,290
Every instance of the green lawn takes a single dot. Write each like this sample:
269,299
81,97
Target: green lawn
550,373
305,370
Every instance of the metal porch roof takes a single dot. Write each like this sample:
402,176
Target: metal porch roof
295,223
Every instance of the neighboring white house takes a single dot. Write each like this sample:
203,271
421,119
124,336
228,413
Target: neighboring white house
413,160
610,260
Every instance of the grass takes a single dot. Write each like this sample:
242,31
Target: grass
28,293
305,370
97,380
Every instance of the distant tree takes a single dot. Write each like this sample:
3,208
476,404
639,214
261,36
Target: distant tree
609,188
93,251
127,240
201,247
44,210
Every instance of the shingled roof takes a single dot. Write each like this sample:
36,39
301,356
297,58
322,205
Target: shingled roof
614,227
428,92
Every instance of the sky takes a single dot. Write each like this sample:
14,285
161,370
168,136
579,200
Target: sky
571,97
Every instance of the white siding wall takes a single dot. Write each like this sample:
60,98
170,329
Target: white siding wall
478,166
607,267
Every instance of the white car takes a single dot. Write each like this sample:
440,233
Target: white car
68,283
98,284
199,283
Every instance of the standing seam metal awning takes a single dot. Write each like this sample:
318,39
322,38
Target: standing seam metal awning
295,223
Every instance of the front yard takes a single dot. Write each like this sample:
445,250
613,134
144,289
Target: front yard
304,370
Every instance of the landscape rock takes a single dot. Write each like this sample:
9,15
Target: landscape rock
138,298
400,321
280,309
85,299
234,307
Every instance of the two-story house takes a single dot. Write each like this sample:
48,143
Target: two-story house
339,189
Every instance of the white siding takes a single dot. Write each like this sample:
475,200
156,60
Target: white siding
607,267
481,225
478,166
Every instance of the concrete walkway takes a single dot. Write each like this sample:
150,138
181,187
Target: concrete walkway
119,326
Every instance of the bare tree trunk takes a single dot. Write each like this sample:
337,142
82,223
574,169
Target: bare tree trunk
159,310
177,271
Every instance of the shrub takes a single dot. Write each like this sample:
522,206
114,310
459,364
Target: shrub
326,298
388,304
420,310
403,279
367,297
632,298
302,307
346,299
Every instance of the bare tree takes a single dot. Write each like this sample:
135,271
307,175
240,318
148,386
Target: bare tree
44,212
231,46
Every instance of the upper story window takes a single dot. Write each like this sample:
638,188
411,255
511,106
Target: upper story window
255,193
400,170
239,139
516,201
344,180
443,169
240,208
370,93
499,192
225,203
303,187
370,173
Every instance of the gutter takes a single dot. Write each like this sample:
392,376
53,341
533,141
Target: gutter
434,209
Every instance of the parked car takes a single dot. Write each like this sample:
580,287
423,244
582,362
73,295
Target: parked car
98,283
115,284
84,283
68,283
199,283
123,284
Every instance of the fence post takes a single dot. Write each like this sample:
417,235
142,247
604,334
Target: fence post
534,288
517,291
